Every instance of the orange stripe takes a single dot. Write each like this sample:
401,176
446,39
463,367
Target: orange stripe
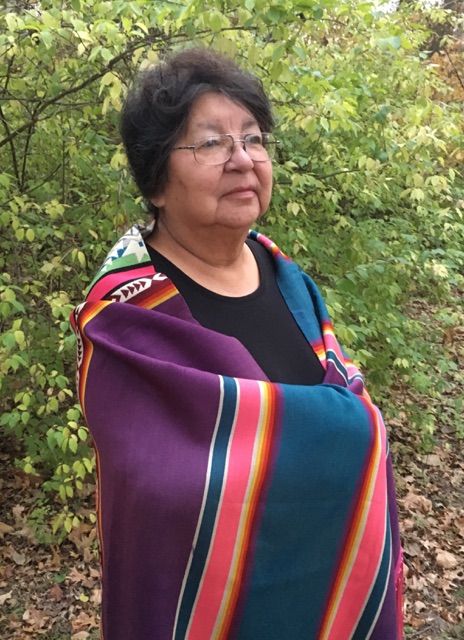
85,316
158,298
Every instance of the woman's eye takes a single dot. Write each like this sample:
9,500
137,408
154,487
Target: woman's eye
254,138
210,143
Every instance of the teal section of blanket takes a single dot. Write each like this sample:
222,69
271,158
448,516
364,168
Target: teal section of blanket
313,491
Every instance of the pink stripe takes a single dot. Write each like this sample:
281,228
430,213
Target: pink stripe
112,280
369,553
399,594
216,574
331,343
271,246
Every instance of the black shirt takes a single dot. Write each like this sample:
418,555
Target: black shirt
261,321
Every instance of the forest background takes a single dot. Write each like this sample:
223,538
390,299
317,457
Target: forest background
368,198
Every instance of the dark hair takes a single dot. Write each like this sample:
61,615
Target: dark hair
157,108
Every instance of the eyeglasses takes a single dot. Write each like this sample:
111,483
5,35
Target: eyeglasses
219,149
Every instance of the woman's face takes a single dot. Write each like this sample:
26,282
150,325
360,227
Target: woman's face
228,196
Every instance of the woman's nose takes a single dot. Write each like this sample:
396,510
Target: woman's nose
239,157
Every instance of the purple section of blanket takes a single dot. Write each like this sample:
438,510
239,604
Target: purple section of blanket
141,452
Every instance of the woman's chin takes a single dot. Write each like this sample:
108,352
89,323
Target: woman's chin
239,217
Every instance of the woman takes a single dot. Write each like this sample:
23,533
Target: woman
245,486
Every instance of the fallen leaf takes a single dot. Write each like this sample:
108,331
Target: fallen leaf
5,528
83,620
4,597
446,559
18,514
18,558
419,606
412,549
96,596
416,502
56,592
75,576
433,460
35,618
29,533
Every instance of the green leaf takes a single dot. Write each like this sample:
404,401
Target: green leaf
395,42
19,337
72,444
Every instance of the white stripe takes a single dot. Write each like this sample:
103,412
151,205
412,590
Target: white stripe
205,493
243,514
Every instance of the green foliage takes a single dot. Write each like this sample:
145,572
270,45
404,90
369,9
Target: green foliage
369,190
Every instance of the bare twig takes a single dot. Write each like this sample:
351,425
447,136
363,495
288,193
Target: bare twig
460,80
51,101
25,152
320,176
35,187
14,159
335,173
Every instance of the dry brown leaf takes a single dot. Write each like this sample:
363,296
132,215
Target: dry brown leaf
460,526
75,576
5,528
4,597
419,606
96,596
35,618
412,549
416,502
29,533
56,592
446,559
18,514
18,558
83,620
433,460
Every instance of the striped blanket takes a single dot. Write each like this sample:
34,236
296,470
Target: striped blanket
229,506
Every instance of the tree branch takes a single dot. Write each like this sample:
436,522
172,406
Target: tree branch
319,176
461,82
335,173
14,159
8,130
35,187
25,152
51,101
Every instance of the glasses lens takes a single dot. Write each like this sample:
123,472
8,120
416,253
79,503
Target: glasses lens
213,150
260,146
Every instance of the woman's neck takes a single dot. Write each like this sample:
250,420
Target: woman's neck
224,264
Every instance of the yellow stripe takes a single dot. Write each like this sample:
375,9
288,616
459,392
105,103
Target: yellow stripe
149,304
87,348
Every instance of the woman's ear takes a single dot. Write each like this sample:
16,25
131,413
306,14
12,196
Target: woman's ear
157,201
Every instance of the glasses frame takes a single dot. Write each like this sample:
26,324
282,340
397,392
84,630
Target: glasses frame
243,140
